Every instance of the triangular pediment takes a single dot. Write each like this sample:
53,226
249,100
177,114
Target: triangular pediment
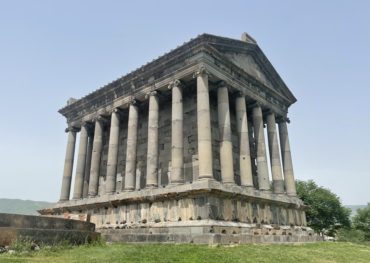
248,64
249,57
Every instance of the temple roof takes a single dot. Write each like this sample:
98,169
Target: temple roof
245,54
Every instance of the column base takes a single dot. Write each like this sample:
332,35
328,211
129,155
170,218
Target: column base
248,186
177,183
151,186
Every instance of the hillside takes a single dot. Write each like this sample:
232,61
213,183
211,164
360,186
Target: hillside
17,206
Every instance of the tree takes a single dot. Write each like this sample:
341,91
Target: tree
326,212
361,221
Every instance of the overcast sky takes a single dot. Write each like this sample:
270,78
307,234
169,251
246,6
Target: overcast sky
50,51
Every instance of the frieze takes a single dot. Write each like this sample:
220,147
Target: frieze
166,65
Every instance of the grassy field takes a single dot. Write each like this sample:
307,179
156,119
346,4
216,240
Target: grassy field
318,252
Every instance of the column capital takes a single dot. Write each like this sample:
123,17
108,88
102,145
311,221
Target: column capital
270,111
255,104
72,129
88,125
151,93
239,94
100,118
133,101
115,110
281,119
202,70
175,83
223,84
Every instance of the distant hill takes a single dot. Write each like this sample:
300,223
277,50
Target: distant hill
354,208
26,207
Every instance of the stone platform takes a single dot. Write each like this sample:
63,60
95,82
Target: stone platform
46,230
210,232
205,211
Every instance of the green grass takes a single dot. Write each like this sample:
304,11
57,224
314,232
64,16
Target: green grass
316,252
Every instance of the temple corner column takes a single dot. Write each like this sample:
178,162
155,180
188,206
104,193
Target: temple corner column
204,125
286,158
68,164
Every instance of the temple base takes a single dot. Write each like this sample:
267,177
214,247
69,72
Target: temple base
209,232
205,211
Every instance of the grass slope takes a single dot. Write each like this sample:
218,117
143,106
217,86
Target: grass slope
17,206
316,252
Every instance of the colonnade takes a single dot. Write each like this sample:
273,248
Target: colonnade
90,147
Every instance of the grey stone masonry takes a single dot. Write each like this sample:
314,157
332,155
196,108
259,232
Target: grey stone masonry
180,144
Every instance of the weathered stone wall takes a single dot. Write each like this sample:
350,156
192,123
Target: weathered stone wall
43,229
202,207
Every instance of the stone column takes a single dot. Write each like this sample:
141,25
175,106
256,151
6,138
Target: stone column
226,146
204,126
68,164
177,139
81,162
130,170
110,186
95,158
277,177
152,154
287,158
87,165
259,136
246,176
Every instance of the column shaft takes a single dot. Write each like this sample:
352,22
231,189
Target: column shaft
95,159
277,177
287,159
68,165
204,127
246,177
226,147
177,140
81,162
262,168
87,166
130,170
152,154
110,186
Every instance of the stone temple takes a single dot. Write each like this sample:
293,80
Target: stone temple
175,151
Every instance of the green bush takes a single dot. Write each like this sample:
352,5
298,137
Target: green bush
351,235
